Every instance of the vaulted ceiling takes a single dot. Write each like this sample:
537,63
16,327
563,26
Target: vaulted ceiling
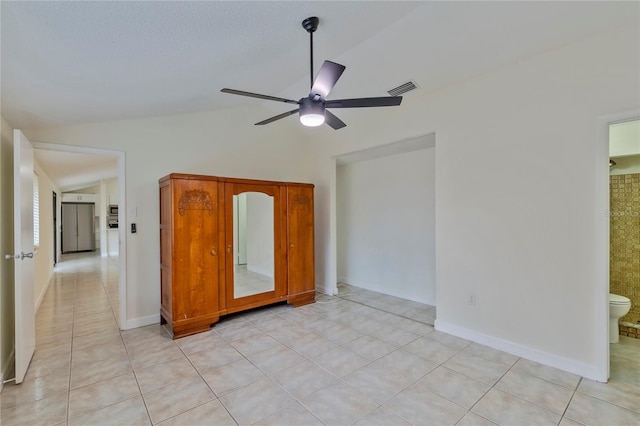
76,62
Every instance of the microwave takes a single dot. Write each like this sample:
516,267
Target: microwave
113,210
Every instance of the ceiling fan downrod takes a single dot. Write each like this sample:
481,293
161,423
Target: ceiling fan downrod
311,24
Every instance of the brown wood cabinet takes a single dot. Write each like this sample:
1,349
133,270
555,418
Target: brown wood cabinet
227,245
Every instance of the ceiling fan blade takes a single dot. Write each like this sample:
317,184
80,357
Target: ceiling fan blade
277,117
326,78
333,121
364,102
257,95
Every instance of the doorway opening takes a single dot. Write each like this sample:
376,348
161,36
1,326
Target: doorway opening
624,234
385,226
102,199
603,241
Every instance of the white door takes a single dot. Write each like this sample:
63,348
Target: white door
23,253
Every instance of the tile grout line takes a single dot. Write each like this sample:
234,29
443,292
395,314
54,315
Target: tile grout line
494,387
135,376
573,394
269,376
217,398
73,325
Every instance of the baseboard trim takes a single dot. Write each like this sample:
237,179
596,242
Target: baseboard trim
7,367
571,366
142,321
326,289
44,291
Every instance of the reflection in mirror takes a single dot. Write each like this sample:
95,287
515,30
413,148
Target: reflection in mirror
253,244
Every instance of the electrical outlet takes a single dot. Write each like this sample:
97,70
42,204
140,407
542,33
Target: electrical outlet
472,299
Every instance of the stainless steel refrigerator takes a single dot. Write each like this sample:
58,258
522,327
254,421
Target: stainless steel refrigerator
78,231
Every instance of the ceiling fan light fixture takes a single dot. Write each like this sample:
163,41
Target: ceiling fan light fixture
311,112
311,119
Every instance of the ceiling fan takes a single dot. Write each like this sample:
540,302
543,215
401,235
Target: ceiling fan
313,108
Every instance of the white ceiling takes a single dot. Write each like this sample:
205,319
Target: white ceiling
71,171
624,139
77,62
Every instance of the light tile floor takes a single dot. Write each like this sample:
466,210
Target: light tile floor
390,304
335,362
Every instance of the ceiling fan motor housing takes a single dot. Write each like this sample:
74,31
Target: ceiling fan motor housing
310,24
310,105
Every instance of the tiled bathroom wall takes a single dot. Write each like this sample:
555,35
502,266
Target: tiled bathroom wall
625,245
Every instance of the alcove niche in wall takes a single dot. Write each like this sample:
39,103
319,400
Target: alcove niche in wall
385,219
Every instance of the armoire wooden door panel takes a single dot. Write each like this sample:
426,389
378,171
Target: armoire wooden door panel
234,303
189,253
300,251
195,249
222,267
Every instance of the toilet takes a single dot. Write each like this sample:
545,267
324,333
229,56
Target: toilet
618,307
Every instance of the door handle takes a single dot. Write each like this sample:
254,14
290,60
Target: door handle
214,252
19,256
229,249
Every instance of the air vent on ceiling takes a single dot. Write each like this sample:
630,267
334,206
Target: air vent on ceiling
403,88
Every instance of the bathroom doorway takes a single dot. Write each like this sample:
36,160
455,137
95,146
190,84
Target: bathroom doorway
621,264
624,234
624,228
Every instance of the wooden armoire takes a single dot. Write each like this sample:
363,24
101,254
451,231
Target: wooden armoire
227,245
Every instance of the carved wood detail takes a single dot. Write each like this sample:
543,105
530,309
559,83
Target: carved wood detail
195,200
300,202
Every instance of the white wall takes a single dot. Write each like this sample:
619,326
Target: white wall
260,231
512,228
112,192
6,246
43,258
386,225
222,143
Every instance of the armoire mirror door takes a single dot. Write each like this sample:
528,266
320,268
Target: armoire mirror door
253,254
